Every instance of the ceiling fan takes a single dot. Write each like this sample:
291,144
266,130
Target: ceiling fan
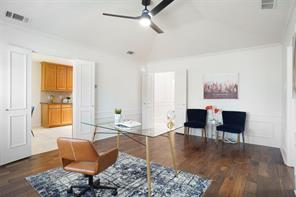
145,18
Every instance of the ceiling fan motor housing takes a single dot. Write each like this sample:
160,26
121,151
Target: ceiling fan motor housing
146,14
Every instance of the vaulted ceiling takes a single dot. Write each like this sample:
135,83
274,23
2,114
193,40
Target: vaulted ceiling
190,26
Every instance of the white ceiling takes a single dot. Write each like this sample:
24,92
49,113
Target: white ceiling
190,26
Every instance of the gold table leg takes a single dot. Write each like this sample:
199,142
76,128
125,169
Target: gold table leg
117,139
172,146
148,167
94,134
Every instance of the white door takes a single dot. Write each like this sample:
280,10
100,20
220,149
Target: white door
164,96
180,97
83,99
148,100
16,109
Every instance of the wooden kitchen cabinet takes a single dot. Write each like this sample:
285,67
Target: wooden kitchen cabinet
49,76
66,114
53,115
56,77
69,78
61,78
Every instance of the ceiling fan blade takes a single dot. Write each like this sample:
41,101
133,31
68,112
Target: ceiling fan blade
160,7
156,28
121,16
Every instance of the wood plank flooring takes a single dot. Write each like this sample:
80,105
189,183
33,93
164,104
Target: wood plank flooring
257,171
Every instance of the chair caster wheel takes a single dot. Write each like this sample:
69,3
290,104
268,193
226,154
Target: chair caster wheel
70,190
114,193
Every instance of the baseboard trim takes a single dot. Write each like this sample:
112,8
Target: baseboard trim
285,159
283,152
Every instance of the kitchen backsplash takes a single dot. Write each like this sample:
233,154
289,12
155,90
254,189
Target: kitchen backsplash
45,96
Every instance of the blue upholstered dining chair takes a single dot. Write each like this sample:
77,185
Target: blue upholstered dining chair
197,119
233,122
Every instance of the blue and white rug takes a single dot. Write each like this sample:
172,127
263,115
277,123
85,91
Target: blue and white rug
129,175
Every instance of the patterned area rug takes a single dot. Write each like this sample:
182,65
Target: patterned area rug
129,175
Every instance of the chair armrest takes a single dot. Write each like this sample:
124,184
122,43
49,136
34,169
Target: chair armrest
107,159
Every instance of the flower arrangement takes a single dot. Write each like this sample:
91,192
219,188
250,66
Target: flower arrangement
214,113
217,110
210,110
209,107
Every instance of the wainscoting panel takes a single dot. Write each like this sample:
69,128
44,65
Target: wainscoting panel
264,130
260,129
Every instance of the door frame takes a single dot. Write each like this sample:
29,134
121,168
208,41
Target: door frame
3,49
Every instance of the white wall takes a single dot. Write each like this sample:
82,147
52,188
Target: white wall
117,77
289,102
260,87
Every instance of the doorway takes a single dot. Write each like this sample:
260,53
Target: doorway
51,112
16,116
163,92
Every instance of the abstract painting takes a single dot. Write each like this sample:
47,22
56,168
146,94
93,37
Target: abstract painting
221,86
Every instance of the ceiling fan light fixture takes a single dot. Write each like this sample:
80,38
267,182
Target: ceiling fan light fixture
145,18
145,22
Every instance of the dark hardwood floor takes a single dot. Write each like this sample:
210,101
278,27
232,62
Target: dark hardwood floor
257,171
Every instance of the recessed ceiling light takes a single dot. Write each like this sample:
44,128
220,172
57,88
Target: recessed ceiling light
130,52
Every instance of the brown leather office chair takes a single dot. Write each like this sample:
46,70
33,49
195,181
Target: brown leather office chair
80,156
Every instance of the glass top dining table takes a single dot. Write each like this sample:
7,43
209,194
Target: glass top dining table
151,131
154,130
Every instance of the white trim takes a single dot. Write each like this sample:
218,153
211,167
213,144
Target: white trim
284,156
